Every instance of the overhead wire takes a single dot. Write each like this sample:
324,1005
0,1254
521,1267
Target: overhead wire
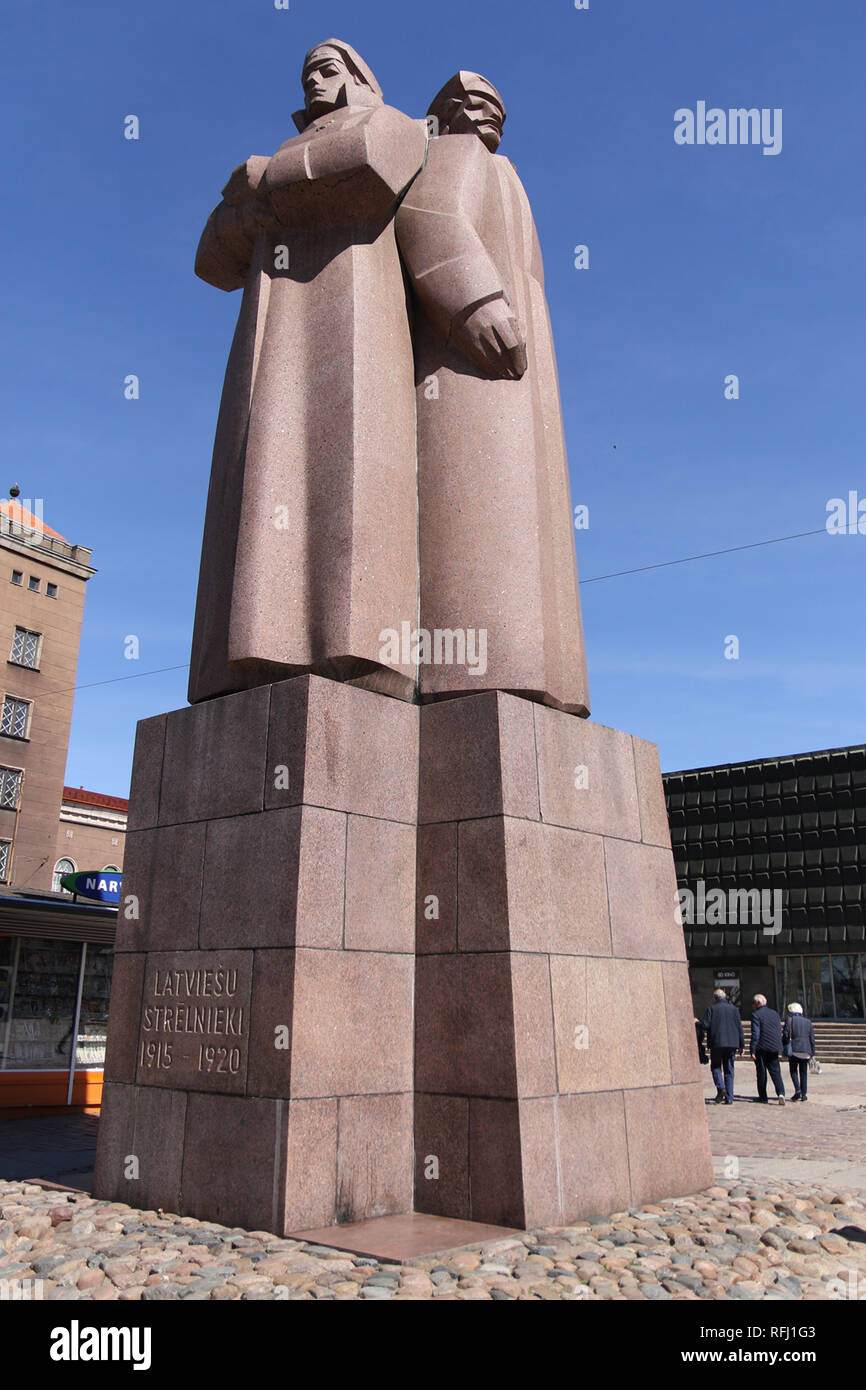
594,579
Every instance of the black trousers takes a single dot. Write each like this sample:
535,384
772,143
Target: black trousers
799,1068
722,1067
768,1062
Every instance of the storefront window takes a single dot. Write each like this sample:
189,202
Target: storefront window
39,1036
819,989
93,1020
846,982
7,974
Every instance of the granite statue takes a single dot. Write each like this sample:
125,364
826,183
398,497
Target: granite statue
311,527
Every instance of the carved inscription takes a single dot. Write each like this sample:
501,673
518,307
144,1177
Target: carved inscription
195,1020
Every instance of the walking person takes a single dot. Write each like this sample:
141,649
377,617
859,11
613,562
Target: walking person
724,1033
765,1046
798,1044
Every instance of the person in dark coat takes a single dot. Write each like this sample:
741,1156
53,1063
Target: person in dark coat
703,1058
724,1033
798,1042
765,1046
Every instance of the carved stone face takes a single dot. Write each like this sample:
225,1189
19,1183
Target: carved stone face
327,83
479,115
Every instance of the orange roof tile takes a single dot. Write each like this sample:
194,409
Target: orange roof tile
20,516
85,798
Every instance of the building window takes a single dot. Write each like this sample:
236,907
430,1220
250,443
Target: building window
111,869
5,851
63,866
25,648
13,720
51,590
40,1035
10,787
17,577
33,583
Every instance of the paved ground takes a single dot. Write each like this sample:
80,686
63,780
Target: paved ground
761,1233
823,1141
741,1241
55,1147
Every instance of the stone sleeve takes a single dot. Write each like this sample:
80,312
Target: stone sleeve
225,248
448,264
359,167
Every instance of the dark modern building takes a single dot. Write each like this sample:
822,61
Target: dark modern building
771,855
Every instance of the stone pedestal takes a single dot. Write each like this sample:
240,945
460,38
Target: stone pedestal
264,1067
259,1061
556,1070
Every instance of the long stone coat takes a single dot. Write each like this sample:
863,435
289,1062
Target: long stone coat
310,540
496,525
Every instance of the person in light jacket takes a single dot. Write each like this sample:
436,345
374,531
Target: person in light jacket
798,1042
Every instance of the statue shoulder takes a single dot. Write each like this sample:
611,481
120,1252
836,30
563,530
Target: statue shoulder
507,169
465,151
458,161
381,122
389,118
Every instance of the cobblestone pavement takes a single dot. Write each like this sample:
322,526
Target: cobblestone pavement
758,1235
754,1241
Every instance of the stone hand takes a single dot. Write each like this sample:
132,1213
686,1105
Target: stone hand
244,182
492,337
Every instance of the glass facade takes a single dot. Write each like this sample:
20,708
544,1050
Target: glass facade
791,833
45,986
818,991
847,986
93,1018
7,970
826,986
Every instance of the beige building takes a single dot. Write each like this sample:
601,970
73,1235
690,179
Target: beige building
91,832
55,953
42,584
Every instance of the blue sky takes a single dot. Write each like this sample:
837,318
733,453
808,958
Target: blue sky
704,261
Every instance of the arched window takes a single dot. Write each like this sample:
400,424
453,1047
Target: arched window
63,866
111,869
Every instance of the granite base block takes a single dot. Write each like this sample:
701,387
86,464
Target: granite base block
556,1072
387,958
260,1067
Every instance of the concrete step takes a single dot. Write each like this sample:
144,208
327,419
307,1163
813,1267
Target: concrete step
835,1041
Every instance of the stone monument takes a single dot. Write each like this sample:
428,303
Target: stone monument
399,929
